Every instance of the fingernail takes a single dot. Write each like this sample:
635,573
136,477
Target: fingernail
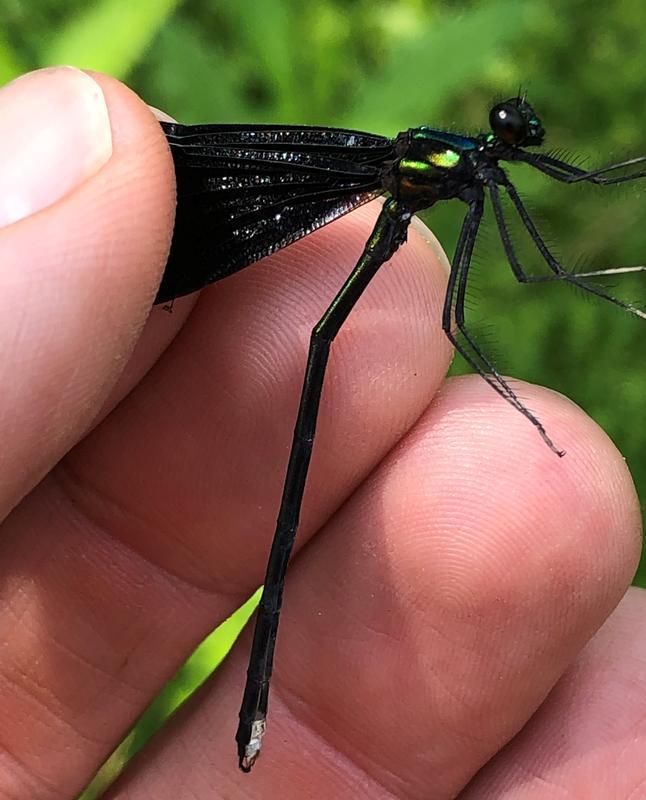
427,234
55,135
162,116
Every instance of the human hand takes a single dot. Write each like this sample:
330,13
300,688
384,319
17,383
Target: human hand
458,568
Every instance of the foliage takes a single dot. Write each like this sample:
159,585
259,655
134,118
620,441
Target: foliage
385,65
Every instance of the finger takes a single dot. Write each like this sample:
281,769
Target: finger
220,406
589,738
163,513
431,619
86,209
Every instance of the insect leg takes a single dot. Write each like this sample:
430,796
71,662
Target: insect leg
559,271
389,232
454,303
567,173
594,273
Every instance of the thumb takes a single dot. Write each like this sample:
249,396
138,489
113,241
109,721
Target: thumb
86,213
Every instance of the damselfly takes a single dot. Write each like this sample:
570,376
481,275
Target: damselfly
245,191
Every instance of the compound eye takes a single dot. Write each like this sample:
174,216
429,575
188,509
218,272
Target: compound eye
508,123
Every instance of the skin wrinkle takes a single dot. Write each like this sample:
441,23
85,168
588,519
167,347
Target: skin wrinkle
290,702
551,786
404,427
405,635
82,498
637,793
631,735
111,678
593,722
220,422
20,688
478,711
59,718
76,656
50,785
343,610
188,592
27,777
31,689
15,609
57,715
81,513
49,701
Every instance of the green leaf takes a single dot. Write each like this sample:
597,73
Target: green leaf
109,36
205,659
428,64
10,66
174,70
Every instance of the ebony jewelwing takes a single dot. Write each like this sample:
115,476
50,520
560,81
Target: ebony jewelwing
245,191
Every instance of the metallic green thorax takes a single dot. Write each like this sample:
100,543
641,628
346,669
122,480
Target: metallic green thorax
445,159
431,165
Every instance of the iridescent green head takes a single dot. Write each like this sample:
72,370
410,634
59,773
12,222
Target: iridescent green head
515,122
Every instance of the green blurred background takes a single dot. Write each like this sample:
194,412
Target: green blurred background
383,66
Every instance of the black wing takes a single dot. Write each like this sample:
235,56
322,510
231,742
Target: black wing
245,191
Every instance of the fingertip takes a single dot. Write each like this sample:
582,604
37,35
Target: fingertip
476,564
420,229
77,281
581,509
